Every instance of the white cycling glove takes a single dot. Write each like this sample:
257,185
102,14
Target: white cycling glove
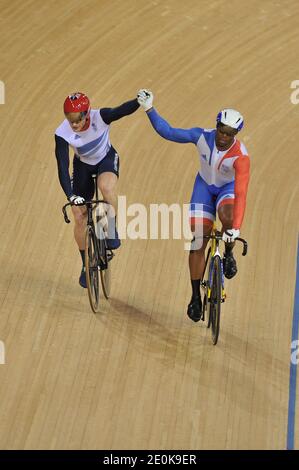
145,99
230,235
77,200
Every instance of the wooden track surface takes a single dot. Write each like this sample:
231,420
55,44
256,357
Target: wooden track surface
140,374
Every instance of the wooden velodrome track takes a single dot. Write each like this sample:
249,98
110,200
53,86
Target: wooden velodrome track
140,374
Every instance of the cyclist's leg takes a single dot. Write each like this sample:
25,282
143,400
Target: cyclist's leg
108,173
82,186
226,213
197,255
225,208
107,183
202,215
80,218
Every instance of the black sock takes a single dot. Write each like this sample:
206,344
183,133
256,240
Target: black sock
195,287
82,253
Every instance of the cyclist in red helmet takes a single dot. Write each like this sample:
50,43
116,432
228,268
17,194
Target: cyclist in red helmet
76,103
87,131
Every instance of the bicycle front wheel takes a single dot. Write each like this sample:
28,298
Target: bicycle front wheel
215,299
106,274
205,285
92,269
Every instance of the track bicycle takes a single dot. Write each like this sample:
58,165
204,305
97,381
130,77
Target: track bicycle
97,253
213,282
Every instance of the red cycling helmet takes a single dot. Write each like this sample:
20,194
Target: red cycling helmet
76,103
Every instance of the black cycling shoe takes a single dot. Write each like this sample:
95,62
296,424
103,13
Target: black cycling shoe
82,279
195,309
229,265
113,243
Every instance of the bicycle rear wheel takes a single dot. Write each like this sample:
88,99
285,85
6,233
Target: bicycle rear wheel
215,299
92,268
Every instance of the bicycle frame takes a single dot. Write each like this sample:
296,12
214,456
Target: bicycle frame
214,239
90,206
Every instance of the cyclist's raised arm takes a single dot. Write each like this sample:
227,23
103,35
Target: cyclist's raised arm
113,114
63,162
183,136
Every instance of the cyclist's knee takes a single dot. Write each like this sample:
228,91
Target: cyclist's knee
80,216
107,183
198,246
226,214
227,223
107,189
199,230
